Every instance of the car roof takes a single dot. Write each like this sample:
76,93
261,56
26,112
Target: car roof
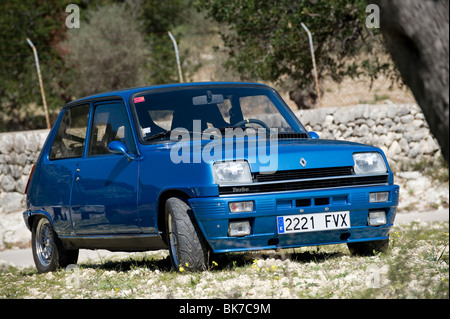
126,93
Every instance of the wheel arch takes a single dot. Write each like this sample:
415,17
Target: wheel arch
30,216
163,197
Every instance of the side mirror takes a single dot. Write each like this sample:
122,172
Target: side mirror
117,147
313,135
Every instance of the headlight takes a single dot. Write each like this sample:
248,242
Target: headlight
232,173
369,163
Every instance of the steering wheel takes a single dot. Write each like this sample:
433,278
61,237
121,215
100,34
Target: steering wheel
255,121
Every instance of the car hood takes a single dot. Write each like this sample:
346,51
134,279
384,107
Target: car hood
269,156
307,154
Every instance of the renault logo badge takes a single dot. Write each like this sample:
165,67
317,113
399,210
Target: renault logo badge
302,162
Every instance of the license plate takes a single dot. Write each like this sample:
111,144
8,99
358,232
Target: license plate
313,222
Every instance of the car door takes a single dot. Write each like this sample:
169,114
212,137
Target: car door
104,195
59,166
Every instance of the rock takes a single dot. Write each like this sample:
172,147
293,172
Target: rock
8,183
390,137
380,130
387,123
378,113
370,123
403,110
21,184
404,145
19,143
394,149
7,143
420,116
305,117
432,144
406,119
343,115
31,144
22,159
11,201
417,124
415,150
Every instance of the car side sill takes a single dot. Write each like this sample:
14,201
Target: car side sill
115,242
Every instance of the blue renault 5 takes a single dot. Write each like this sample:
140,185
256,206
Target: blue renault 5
200,168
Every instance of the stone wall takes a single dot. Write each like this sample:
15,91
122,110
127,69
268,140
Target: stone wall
18,152
400,130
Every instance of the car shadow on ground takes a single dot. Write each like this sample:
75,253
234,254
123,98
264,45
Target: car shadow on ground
218,262
124,265
225,261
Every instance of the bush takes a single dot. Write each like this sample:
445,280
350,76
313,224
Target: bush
108,51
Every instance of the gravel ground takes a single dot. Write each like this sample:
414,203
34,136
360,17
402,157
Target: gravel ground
415,267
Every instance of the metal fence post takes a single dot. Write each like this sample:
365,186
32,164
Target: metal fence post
44,101
180,74
314,62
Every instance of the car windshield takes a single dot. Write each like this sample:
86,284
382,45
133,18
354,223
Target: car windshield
159,112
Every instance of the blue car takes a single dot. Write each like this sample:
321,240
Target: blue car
200,168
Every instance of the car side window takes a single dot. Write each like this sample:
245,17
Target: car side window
71,136
110,124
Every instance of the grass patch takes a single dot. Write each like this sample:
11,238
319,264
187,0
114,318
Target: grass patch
416,266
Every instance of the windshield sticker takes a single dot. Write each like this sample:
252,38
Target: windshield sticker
146,130
139,99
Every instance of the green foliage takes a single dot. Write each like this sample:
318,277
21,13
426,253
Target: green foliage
158,18
68,71
266,40
108,52
43,23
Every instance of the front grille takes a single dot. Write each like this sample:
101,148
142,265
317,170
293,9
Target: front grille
353,180
303,174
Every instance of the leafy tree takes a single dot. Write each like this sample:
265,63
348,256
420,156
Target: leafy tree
43,23
108,52
266,41
159,17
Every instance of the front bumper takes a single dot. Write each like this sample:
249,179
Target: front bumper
213,217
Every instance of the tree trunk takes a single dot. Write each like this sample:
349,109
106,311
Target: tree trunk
417,35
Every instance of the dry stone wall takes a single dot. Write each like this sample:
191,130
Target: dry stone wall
18,152
400,130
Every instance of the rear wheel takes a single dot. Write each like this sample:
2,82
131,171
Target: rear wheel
188,249
48,251
369,248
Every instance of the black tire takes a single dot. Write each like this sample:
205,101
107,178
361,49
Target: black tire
48,251
368,248
187,246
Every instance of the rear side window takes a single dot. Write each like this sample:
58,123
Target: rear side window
71,136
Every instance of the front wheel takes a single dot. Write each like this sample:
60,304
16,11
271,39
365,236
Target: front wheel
369,248
188,248
48,251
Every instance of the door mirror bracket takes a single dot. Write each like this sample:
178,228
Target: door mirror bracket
117,147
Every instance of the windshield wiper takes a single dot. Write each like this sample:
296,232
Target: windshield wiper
166,134
158,135
223,129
